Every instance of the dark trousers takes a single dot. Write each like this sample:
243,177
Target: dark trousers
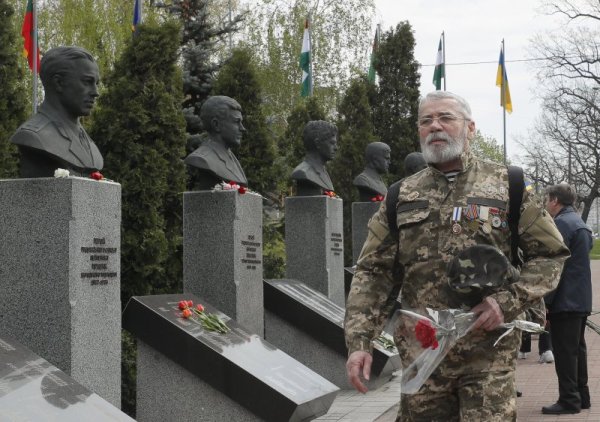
545,341
570,359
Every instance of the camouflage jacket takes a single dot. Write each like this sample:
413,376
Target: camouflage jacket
436,220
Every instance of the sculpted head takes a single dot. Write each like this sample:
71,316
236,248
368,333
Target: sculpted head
320,137
222,118
377,157
445,126
70,77
414,163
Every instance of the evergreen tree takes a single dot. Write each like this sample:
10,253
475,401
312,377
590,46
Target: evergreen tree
397,103
199,46
140,129
13,102
237,79
356,131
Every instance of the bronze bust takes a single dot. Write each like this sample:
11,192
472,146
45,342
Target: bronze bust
320,143
377,162
414,163
213,160
54,138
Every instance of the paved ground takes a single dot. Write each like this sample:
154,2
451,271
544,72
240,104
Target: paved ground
537,382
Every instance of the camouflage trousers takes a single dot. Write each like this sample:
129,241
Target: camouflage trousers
485,396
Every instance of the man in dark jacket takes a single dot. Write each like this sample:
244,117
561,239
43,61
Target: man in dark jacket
570,304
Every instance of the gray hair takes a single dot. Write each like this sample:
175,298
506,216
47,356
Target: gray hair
464,106
562,192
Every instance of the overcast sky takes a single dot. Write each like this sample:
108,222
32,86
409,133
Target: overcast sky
474,30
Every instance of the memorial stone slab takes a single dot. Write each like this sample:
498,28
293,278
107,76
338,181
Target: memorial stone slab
361,214
185,371
314,244
33,390
60,275
310,327
222,253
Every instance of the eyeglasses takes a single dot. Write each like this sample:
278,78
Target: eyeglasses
445,120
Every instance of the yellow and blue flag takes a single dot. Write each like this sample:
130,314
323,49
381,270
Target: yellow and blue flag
502,82
137,15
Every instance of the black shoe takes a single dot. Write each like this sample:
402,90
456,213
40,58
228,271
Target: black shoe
558,409
519,393
586,405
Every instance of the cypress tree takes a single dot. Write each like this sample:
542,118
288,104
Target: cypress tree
397,101
355,126
237,79
13,102
140,130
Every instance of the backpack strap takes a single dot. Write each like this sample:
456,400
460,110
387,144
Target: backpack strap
516,186
391,201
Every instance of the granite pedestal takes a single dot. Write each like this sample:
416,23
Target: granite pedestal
33,390
309,327
361,214
314,244
60,275
185,372
222,253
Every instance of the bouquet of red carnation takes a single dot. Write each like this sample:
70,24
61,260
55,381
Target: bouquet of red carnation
429,338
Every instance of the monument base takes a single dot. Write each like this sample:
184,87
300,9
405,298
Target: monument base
60,275
361,214
314,244
222,253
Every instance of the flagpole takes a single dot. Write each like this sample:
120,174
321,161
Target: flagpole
310,63
444,57
503,94
35,55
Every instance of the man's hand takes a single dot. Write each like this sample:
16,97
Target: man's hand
359,361
490,316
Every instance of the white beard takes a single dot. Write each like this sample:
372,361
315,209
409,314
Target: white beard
442,153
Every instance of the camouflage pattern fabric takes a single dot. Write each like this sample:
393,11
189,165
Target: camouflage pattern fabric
438,219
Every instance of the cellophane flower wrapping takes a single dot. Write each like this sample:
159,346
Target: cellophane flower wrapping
429,337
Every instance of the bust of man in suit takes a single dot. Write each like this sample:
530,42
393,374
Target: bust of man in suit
377,162
414,163
320,143
54,138
213,160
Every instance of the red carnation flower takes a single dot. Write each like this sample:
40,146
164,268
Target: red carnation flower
425,334
96,175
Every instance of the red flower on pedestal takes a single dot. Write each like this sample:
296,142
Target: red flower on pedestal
425,334
329,193
242,190
96,175
377,198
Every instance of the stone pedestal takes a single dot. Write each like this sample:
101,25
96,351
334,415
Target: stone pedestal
185,372
309,327
222,253
34,390
361,214
314,244
60,275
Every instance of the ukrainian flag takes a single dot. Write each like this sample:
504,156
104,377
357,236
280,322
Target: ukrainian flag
502,82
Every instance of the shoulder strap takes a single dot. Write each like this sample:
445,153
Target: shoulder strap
516,185
391,200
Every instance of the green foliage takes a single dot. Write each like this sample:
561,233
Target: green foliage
595,252
128,373
12,99
237,79
140,130
355,125
341,39
396,105
273,250
487,147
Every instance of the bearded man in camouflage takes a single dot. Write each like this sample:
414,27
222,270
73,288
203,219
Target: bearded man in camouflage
457,202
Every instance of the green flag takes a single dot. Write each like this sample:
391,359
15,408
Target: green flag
440,71
372,73
305,63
